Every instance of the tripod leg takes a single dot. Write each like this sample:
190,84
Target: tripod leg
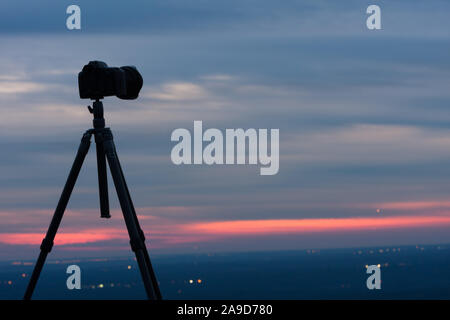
47,243
102,178
147,257
137,245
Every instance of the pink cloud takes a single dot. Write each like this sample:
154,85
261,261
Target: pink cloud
170,231
415,205
64,238
274,226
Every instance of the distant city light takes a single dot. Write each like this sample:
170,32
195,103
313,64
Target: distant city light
199,280
191,281
129,267
100,285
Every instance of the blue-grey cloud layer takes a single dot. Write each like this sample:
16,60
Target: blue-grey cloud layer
362,114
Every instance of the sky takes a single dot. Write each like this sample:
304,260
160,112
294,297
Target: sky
364,137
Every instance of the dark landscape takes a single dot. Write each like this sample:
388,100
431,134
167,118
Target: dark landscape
407,272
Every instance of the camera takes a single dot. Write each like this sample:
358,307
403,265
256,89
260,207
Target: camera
96,81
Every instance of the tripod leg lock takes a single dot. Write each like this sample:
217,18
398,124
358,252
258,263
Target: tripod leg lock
46,245
137,244
87,136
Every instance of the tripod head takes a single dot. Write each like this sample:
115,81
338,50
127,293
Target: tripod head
97,111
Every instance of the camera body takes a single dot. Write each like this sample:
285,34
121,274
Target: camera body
96,81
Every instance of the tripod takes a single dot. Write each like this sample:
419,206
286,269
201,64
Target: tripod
105,150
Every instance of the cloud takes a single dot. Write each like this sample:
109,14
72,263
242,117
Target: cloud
11,77
36,117
275,226
369,144
218,77
168,232
81,237
177,91
362,115
15,87
312,18
415,205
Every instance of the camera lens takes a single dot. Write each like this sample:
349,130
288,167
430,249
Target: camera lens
134,82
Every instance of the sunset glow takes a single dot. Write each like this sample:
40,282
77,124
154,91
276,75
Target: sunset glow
85,236
179,233
315,225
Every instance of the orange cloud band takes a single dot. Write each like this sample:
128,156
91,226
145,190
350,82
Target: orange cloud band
85,236
315,225
204,231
